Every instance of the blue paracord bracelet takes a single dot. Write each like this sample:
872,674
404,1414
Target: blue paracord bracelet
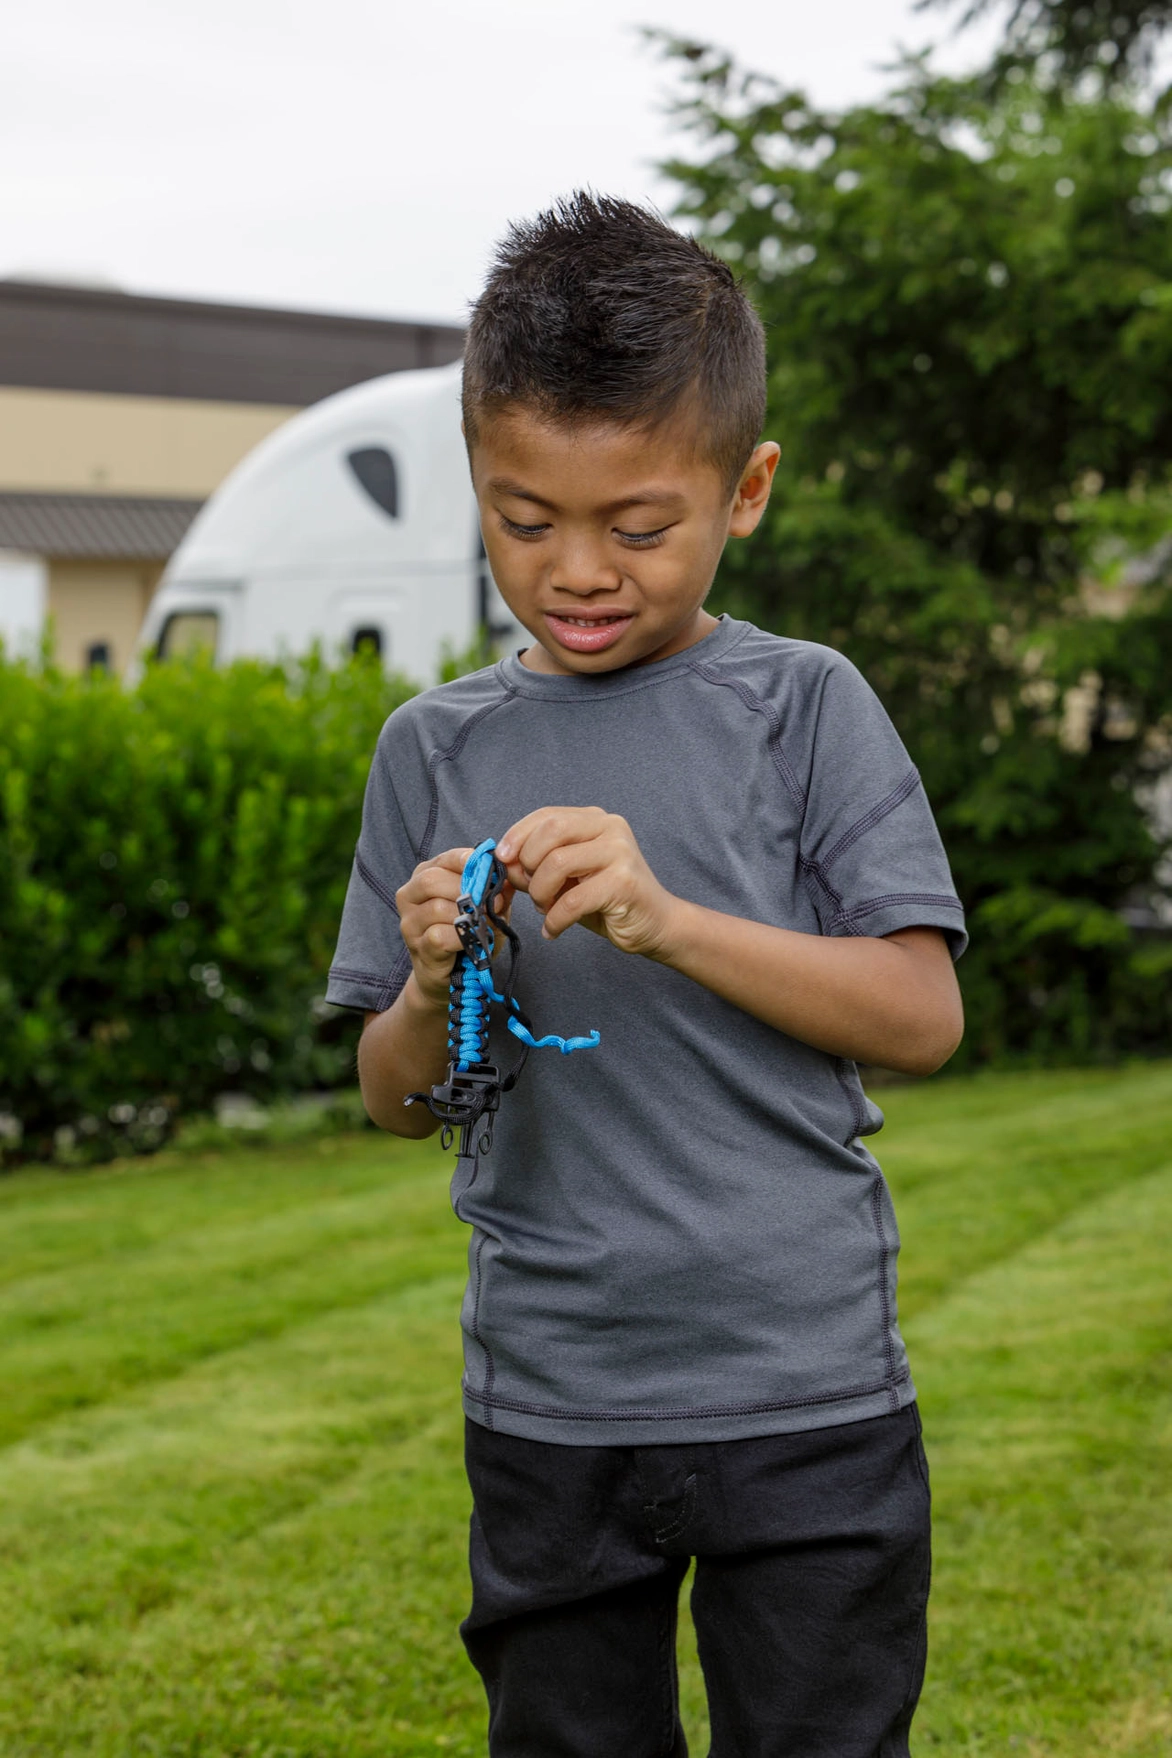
474,1086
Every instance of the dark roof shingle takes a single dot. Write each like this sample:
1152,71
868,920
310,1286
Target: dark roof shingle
89,339
106,525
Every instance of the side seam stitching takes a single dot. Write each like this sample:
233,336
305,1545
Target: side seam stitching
842,1068
884,1297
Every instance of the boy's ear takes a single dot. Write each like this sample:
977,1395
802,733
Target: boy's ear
752,493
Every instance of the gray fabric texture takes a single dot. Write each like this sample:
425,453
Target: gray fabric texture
678,1235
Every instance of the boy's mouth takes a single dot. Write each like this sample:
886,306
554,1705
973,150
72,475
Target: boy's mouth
587,634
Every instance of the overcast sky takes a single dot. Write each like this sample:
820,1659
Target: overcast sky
361,155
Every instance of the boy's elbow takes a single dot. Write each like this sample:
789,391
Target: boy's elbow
411,1122
935,1042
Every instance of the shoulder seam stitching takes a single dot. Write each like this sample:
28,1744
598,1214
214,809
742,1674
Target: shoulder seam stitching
870,819
813,870
450,754
757,706
376,885
394,981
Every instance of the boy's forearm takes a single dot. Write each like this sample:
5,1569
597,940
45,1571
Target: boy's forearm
404,1050
891,1002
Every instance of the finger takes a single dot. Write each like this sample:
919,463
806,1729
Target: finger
432,909
568,862
531,839
510,842
587,898
439,943
502,900
558,822
427,882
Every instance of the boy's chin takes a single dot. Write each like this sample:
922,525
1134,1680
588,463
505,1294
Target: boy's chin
548,656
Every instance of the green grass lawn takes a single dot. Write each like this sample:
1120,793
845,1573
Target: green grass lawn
231,1505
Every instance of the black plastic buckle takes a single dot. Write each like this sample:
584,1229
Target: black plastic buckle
460,1102
475,934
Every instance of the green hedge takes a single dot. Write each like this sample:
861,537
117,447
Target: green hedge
173,860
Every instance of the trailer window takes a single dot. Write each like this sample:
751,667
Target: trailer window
189,631
374,469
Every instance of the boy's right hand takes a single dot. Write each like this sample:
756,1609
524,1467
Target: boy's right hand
427,915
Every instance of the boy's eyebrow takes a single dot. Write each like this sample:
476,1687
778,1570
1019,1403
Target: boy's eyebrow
648,497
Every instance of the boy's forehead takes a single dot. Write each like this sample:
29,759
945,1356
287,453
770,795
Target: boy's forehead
519,451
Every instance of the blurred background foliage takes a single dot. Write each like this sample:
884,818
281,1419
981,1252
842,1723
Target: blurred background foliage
968,294
173,860
1116,40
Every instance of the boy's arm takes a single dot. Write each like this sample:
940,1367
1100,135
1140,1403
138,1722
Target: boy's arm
893,1002
401,1051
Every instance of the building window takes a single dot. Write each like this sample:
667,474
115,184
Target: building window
99,657
367,640
374,469
189,631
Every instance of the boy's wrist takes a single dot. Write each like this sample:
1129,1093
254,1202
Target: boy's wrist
677,932
423,1001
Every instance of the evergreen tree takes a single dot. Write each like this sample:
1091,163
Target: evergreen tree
1115,39
968,292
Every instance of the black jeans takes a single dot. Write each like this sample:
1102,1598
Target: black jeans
810,1595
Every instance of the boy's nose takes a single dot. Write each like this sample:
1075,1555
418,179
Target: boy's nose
582,569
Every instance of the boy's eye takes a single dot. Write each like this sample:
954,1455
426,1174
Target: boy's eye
633,539
515,530
643,539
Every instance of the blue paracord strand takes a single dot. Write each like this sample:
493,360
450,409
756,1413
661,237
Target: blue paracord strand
471,1021
475,989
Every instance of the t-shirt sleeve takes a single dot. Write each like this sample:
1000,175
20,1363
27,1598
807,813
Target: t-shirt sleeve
871,852
371,963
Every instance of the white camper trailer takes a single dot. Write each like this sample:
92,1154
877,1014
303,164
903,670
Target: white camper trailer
354,524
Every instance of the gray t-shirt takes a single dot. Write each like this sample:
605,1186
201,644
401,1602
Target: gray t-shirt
678,1235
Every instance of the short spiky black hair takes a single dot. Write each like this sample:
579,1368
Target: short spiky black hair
599,308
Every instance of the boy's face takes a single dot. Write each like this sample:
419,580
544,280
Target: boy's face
603,538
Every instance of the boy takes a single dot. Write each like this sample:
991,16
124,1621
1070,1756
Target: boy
680,1332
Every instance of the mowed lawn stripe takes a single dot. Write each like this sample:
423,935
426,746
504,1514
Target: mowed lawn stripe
1046,1390
50,1219
215,1269
223,1552
259,1549
979,1167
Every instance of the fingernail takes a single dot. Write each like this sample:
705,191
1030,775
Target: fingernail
505,850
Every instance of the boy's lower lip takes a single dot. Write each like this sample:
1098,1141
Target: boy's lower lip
580,639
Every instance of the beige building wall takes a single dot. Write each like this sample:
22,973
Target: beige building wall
82,442
86,442
91,601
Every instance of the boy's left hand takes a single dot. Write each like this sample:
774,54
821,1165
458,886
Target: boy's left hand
581,864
